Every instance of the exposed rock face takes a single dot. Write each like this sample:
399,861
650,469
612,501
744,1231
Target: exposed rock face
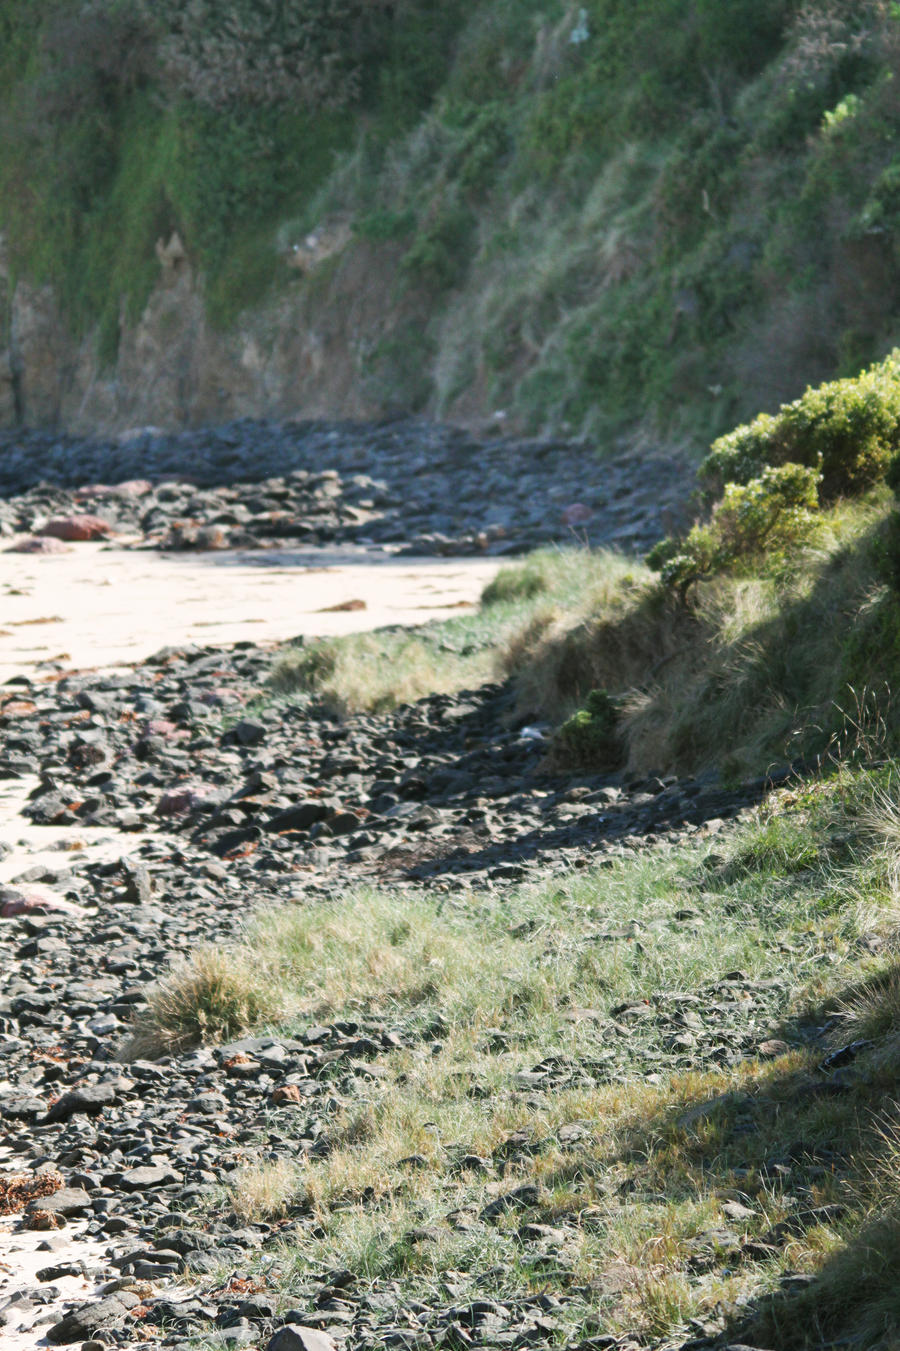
308,350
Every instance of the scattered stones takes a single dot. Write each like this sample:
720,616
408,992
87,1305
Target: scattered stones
400,487
267,810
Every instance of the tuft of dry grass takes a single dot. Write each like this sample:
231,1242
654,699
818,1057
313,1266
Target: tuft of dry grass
266,1191
374,672
213,995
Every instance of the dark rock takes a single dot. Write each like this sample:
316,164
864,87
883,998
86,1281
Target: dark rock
244,733
110,1312
89,1099
148,1179
295,1337
300,817
67,1201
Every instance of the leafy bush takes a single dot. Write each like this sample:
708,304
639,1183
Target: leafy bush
850,428
771,512
591,739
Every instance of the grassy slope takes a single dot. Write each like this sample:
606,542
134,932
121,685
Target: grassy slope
657,225
643,1045
689,1056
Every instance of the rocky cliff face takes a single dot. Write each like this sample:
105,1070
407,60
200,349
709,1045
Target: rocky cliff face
309,351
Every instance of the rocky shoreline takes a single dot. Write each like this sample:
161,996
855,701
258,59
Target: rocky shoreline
225,801
413,488
269,810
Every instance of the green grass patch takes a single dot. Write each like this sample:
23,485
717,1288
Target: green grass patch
377,671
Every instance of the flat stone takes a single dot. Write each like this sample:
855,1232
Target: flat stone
90,1099
67,1201
148,1178
295,1337
88,1318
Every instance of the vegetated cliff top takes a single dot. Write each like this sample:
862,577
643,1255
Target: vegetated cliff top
594,216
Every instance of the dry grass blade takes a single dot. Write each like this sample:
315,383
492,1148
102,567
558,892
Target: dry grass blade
265,1191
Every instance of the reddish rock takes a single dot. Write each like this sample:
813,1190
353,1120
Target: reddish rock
15,902
286,1093
77,528
576,514
39,545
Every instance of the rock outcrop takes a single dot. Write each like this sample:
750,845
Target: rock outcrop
311,349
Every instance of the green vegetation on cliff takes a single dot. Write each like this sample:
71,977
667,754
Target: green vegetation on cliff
602,215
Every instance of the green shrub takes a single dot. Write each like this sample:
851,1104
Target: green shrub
437,256
521,581
591,738
850,428
768,514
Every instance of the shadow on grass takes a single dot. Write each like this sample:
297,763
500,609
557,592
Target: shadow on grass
815,1138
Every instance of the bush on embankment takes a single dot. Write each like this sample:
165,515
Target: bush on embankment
773,631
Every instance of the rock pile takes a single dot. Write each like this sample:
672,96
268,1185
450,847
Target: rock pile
411,488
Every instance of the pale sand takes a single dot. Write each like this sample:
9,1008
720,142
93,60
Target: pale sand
98,606
104,607
20,1262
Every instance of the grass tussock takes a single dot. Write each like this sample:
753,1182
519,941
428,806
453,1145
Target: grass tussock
213,995
376,672
266,1191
